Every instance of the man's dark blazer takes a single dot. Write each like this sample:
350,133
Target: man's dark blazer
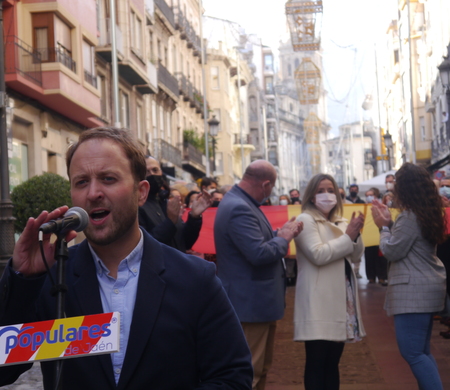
153,218
249,258
184,332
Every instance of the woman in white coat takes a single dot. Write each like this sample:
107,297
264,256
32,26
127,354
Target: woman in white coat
327,312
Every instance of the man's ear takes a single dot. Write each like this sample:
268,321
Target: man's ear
143,189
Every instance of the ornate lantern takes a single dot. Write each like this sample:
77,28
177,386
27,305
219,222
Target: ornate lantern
304,18
312,126
308,80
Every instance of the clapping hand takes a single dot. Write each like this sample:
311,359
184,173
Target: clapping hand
290,229
355,226
381,214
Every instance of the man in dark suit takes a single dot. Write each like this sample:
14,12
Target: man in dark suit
160,216
249,261
178,329
353,194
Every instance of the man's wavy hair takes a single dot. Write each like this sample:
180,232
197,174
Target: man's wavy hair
124,138
415,191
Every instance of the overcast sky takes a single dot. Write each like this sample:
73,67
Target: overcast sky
349,31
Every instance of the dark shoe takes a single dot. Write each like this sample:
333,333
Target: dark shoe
371,281
358,275
445,321
383,282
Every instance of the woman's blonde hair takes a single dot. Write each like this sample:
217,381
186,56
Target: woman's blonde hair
311,190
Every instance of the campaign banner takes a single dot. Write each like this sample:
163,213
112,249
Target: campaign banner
60,339
278,215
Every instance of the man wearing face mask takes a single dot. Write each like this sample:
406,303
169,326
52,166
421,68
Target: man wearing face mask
353,197
160,216
249,261
444,191
295,196
389,180
216,197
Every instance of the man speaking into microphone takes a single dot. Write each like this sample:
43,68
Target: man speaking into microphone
178,329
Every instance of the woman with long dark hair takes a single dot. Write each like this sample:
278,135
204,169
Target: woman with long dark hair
416,278
326,313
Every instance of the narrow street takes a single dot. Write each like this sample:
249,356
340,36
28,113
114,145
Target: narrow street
373,364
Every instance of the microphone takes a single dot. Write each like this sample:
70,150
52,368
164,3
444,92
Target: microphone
74,219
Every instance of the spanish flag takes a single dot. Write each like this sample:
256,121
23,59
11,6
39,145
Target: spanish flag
279,215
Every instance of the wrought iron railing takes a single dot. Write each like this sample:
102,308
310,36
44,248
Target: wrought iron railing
166,78
58,54
290,117
166,151
90,78
246,139
23,59
190,153
182,84
166,11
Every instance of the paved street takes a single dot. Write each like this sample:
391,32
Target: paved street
373,364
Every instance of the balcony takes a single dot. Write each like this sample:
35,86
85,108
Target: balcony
48,83
166,152
150,12
168,83
193,160
23,60
182,85
199,103
132,73
246,139
166,15
152,75
90,78
289,117
180,20
58,54
104,45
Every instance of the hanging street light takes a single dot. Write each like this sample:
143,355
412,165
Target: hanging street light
308,80
305,19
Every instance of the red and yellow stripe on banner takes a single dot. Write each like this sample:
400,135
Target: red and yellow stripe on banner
278,215
62,338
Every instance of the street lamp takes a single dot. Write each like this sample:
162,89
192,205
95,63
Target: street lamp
444,73
388,143
213,124
6,206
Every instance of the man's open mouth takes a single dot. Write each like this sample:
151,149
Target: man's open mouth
99,215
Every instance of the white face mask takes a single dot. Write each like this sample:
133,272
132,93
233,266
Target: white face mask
370,198
283,202
325,202
390,186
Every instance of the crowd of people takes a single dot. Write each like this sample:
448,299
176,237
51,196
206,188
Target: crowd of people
189,324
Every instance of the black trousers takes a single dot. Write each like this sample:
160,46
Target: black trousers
322,364
376,266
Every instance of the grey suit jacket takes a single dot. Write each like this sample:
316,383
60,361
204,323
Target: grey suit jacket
249,258
416,276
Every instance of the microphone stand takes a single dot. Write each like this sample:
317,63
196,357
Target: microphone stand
59,290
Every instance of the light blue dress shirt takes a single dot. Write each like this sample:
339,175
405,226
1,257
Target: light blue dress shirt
120,295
